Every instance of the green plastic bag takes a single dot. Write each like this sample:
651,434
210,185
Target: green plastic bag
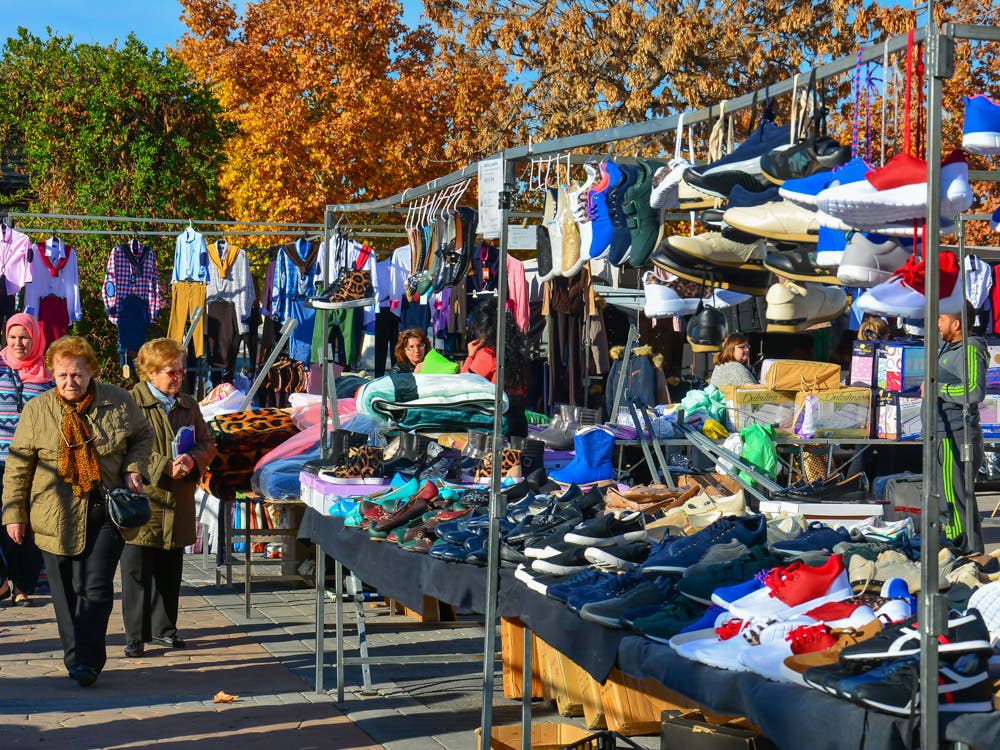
438,364
760,450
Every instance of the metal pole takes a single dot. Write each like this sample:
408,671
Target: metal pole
196,316
320,572
286,332
496,499
932,609
326,403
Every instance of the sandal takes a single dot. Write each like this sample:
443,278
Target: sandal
21,599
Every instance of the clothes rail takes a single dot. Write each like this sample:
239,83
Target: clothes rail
159,220
161,233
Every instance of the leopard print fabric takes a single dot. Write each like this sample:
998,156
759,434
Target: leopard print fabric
509,459
363,462
243,438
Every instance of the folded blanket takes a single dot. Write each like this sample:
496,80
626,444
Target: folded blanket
391,396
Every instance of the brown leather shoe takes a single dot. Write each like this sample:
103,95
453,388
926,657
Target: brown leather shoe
413,509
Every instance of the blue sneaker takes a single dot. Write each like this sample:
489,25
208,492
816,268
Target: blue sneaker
981,131
805,189
583,579
726,595
642,593
708,620
817,537
608,586
742,166
685,552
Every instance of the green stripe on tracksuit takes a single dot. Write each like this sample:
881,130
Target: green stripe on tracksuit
960,521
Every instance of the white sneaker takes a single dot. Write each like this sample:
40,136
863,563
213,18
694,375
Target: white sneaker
871,259
888,228
781,220
715,248
898,192
702,506
767,659
666,181
662,301
903,295
726,654
793,307
794,589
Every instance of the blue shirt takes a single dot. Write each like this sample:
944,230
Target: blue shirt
190,257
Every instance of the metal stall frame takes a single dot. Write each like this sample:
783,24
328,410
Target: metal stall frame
940,50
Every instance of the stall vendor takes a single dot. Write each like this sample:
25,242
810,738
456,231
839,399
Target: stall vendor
411,348
731,362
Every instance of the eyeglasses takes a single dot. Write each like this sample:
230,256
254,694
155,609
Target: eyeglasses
415,347
78,445
173,374
744,346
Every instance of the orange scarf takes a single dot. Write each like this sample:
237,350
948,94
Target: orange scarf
77,462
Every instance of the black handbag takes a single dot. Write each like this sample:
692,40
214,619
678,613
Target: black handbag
127,509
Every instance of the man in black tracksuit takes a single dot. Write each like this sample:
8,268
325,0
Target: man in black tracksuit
962,375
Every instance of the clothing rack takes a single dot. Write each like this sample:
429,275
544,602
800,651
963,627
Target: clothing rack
940,50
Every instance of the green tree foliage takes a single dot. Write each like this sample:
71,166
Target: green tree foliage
115,130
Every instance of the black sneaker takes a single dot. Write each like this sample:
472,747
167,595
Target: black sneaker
741,167
606,530
798,262
564,564
965,634
964,685
807,157
618,557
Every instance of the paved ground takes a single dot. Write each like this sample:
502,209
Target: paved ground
268,662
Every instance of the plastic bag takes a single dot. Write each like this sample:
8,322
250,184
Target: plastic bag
760,450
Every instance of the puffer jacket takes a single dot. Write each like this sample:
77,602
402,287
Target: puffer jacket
172,524
33,490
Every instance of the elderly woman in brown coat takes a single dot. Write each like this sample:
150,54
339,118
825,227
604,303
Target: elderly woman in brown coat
153,561
70,443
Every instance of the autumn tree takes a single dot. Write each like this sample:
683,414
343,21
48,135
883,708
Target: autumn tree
334,101
600,63
116,130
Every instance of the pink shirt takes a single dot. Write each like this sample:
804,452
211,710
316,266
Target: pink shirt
517,292
14,263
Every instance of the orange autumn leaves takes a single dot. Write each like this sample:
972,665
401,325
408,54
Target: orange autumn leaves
333,101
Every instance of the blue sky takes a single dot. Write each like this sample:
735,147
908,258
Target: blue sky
155,22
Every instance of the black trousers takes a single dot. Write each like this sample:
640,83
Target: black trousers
151,590
83,591
223,338
386,333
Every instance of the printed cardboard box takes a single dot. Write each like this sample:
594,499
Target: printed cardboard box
844,413
899,417
901,367
757,405
864,368
989,415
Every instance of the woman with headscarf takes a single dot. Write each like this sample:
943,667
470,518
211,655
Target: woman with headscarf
71,444
22,377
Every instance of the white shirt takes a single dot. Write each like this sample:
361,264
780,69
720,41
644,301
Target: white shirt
65,284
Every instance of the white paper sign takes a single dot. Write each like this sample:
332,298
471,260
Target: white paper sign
490,187
521,238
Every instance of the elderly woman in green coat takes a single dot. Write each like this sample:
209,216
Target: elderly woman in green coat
153,561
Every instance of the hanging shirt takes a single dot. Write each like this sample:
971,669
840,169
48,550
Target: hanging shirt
190,257
517,293
54,270
295,277
399,272
15,268
131,271
229,280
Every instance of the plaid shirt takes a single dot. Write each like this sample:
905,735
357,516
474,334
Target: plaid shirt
122,279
